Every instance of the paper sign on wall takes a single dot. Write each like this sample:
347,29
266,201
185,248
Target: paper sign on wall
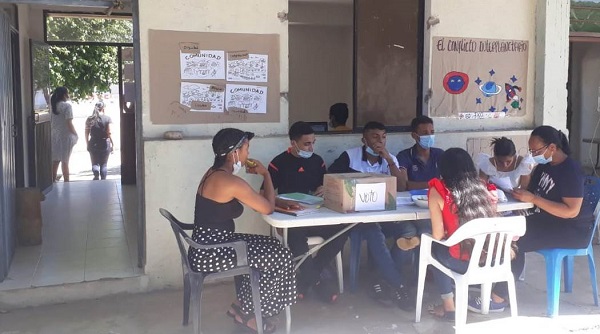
251,99
370,197
206,64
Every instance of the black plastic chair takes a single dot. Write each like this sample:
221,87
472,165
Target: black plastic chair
193,281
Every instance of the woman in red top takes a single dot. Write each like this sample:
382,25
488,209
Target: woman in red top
458,197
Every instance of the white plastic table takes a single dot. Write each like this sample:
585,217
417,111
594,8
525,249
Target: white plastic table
325,216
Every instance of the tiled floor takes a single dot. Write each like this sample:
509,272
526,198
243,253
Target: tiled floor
89,233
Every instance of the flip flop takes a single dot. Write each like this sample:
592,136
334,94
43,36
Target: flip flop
237,310
268,327
448,316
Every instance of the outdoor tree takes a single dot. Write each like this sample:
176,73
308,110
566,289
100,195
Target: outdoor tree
86,69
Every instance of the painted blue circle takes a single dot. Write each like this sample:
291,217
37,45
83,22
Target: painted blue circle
456,83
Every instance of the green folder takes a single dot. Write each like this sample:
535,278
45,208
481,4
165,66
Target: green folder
302,198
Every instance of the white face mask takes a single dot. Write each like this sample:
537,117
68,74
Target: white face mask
237,166
303,154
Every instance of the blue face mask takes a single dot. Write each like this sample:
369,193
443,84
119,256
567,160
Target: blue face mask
427,142
303,154
371,152
541,160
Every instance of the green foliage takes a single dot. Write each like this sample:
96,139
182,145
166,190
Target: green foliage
86,69
82,29
83,69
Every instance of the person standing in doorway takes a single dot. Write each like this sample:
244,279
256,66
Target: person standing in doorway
63,135
98,140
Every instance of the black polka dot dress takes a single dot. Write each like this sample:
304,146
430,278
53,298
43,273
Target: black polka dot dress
213,223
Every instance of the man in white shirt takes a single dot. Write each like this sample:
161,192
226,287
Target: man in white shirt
373,157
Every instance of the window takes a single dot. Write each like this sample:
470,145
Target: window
365,53
585,16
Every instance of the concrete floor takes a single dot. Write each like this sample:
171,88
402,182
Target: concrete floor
161,312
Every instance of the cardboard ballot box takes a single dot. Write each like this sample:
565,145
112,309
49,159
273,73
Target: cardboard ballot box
352,192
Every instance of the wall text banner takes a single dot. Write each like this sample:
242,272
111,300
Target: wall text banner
475,78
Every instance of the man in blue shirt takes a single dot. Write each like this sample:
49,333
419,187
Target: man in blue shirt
421,164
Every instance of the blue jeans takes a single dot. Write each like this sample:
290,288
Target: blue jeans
410,229
443,282
375,234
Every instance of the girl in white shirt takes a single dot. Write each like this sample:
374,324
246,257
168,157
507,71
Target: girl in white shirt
505,169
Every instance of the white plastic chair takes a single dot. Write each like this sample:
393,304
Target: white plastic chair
502,229
316,241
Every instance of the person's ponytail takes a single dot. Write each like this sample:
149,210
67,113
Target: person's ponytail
219,161
564,143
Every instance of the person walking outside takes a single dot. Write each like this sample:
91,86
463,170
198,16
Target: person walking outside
63,135
98,140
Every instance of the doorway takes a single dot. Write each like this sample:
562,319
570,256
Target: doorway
91,229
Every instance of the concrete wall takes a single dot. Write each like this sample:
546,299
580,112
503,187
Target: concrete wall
173,168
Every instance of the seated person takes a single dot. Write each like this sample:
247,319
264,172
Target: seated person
457,198
561,219
338,115
219,200
421,164
373,157
505,169
300,170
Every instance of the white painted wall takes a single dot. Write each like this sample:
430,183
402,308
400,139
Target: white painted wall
174,168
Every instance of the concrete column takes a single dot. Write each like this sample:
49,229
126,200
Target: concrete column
552,63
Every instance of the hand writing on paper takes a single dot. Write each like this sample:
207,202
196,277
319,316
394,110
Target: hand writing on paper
319,192
523,195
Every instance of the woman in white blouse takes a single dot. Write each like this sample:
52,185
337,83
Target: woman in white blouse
505,169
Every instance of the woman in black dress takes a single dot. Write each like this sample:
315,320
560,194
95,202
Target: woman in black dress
218,201
98,140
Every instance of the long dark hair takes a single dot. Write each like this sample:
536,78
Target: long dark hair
469,193
550,135
57,96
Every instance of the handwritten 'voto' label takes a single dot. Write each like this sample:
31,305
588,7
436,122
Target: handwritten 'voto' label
370,197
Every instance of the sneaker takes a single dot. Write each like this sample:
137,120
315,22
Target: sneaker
403,299
475,305
380,293
406,244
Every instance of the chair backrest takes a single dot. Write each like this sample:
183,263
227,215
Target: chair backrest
591,198
499,231
180,236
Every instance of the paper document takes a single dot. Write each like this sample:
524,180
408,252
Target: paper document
370,197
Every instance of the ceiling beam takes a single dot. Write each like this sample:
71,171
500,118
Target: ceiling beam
64,3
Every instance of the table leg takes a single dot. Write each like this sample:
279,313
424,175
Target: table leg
303,257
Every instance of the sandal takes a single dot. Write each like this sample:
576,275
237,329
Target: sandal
438,312
326,291
245,319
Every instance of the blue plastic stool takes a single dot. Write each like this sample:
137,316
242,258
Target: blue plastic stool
554,258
